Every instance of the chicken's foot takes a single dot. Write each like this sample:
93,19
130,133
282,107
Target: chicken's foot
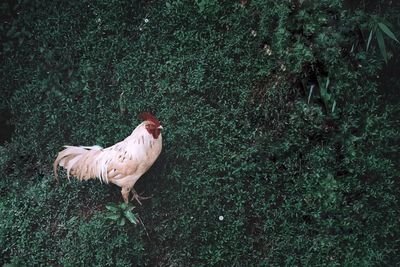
137,197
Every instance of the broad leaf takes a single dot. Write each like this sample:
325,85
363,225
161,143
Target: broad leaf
123,205
387,31
111,207
131,217
113,217
381,44
130,207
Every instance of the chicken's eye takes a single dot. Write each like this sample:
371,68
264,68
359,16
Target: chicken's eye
150,127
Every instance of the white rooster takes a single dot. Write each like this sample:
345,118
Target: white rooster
121,164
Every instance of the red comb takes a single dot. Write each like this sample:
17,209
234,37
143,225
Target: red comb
146,116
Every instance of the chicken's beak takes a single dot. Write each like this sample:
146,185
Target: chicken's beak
160,127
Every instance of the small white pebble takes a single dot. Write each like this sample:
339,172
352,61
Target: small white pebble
221,218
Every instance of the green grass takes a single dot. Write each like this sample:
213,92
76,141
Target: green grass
300,178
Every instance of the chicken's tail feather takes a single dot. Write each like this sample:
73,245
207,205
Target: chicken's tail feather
82,162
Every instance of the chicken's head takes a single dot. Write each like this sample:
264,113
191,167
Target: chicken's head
152,125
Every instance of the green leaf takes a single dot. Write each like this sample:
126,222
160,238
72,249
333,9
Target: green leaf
352,49
111,207
333,106
122,222
113,217
381,44
131,217
123,205
130,207
323,90
309,94
387,31
369,38
327,83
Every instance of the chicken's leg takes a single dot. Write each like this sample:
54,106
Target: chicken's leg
125,194
137,197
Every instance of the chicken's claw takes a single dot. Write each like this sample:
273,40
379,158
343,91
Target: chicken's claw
137,197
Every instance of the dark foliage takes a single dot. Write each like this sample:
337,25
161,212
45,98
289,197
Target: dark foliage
279,148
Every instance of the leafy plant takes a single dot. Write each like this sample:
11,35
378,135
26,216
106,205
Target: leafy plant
121,213
379,29
329,102
208,6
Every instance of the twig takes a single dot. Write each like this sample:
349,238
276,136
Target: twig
141,221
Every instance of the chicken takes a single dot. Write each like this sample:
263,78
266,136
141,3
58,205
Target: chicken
121,164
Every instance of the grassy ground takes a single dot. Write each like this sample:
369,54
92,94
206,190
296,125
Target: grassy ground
276,118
